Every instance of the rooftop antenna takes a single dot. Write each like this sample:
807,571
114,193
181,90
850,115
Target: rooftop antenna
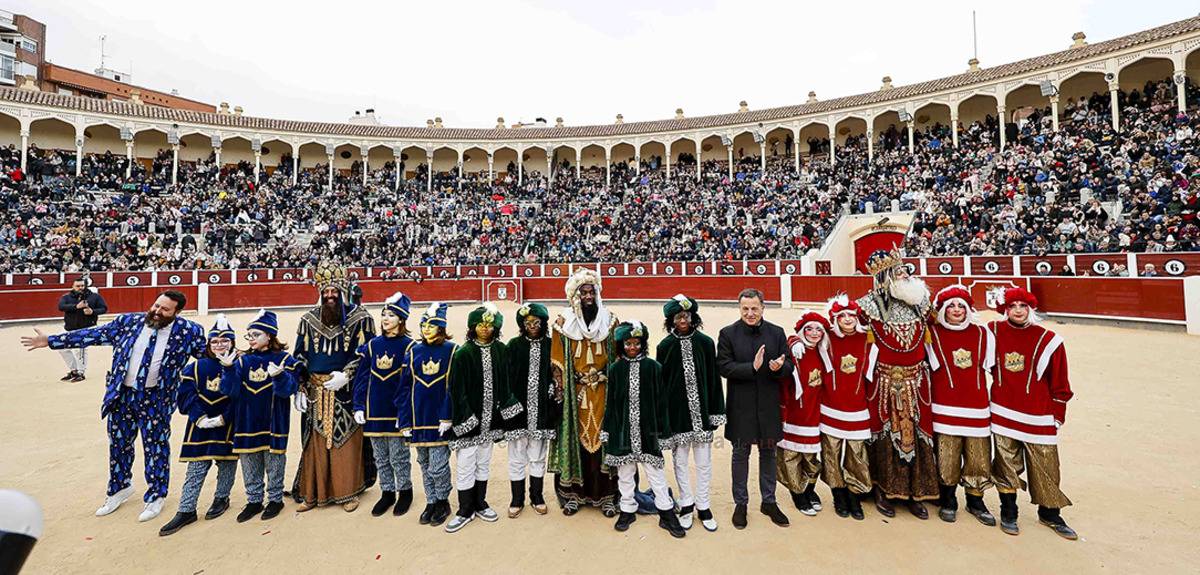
974,35
102,39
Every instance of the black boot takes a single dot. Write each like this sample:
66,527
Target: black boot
403,502
1052,518
219,506
536,500
1008,513
840,505
624,521
813,499
518,499
181,520
800,500
482,509
250,511
441,511
466,510
976,507
427,514
386,501
669,521
272,510
852,501
948,503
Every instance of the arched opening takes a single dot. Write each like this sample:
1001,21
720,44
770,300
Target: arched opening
347,160
415,162
1081,93
195,148
312,154
381,161
1146,83
978,120
683,154
52,134
101,139
851,139
1025,104
10,129
592,156
445,160
653,155
932,121
564,159
505,161
814,139
624,153
780,143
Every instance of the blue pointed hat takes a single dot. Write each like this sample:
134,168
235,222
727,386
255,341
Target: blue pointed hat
435,314
266,321
398,304
221,328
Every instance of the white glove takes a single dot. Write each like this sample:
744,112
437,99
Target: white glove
300,402
228,358
406,433
210,422
443,427
274,369
360,418
337,381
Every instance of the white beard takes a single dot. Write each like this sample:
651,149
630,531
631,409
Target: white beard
911,291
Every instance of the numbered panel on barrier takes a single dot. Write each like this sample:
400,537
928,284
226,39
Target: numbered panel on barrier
470,271
556,271
760,268
501,271
1170,264
699,268
640,269
176,278
730,268
1044,265
992,265
529,271
507,290
789,267
612,270
670,268
944,267
288,275
36,279
132,279
252,276
444,272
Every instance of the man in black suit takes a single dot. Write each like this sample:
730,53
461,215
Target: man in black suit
81,307
752,356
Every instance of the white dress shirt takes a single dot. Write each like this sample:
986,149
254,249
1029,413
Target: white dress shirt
139,351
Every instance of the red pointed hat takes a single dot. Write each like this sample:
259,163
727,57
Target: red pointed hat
1009,295
956,291
839,304
810,317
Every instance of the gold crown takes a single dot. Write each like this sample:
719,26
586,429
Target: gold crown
213,384
431,367
258,375
384,361
878,263
328,274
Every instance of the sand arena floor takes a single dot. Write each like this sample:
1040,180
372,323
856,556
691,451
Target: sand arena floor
1128,452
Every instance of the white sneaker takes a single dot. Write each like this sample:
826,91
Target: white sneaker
114,501
685,520
152,509
458,522
487,515
710,523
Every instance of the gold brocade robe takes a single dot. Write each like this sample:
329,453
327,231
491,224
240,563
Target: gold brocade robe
589,361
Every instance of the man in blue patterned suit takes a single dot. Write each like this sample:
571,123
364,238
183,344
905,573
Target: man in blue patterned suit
149,353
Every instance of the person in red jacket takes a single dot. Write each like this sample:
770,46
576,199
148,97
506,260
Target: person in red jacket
1030,390
963,352
797,453
845,418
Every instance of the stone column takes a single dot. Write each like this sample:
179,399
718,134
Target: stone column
832,144
954,128
762,159
1001,111
520,168
1181,88
607,167
78,154
429,171
491,165
911,126
729,150
870,146
667,161
128,158
257,164
174,164
549,165
331,171
295,165
1113,87
796,150
1054,111
25,149
579,163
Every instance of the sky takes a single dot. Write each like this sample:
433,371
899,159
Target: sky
470,61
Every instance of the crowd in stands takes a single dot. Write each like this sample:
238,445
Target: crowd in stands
1048,192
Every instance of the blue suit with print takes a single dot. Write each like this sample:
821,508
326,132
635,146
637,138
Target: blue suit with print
131,410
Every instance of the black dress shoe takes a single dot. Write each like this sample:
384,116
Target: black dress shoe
386,501
624,521
1053,519
427,514
882,505
69,376
739,516
918,509
219,506
78,377
403,502
669,521
272,510
250,511
441,511
775,513
856,510
181,520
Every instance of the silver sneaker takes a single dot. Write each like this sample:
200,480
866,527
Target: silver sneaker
487,515
709,524
458,522
685,520
114,501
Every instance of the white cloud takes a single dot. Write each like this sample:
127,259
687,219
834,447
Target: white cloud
472,61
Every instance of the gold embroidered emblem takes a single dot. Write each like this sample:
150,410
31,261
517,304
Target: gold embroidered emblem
962,359
431,367
1014,362
488,318
849,364
814,378
685,304
213,384
384,361
258,375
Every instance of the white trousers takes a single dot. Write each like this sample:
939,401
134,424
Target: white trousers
474,464
626,484
76,359
527,452
702,453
